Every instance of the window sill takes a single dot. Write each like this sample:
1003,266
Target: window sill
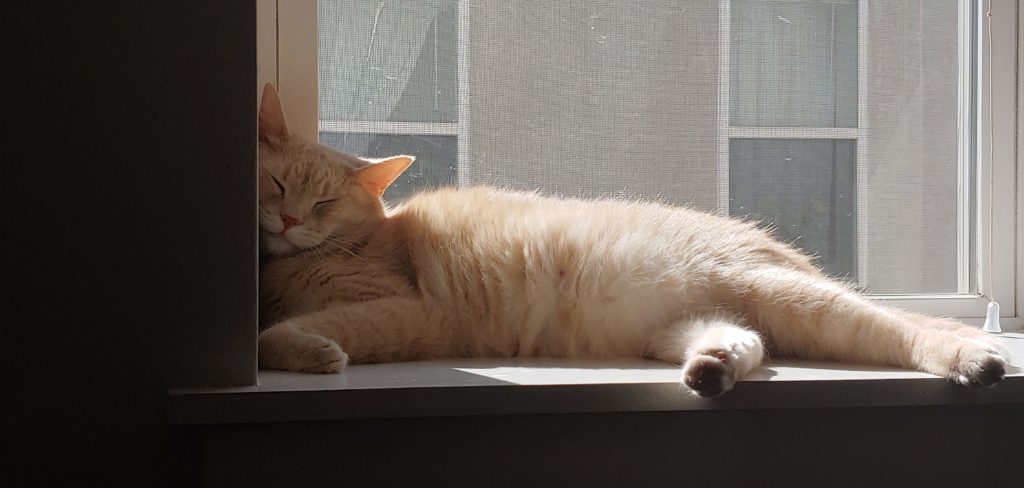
527,386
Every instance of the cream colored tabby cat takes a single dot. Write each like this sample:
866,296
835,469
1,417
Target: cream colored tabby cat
487,272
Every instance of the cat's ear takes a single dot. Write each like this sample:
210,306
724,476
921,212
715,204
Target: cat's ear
272,125
378,176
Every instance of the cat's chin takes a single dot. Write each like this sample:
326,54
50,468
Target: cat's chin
278,246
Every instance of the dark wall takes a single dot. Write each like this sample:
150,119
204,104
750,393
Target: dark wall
128,258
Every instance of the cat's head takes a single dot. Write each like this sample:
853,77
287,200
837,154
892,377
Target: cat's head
311,195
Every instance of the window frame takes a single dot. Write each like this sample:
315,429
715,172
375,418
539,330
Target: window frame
288,57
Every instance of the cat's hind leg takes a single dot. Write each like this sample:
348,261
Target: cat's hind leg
808,317
714,350
958,328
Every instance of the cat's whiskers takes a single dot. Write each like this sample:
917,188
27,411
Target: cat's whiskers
337,247
330,251
319,254
339,239
322,252
337,244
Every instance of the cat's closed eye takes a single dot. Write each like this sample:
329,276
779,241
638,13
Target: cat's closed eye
278,183
323,204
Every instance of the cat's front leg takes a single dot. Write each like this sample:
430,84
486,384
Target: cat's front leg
387,329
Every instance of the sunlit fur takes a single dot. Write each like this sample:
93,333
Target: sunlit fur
491,272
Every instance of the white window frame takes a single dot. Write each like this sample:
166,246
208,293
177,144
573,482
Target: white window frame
287,57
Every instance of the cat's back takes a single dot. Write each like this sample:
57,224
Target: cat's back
493,210
458,210
484,220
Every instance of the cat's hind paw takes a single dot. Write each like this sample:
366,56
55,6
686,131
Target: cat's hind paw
709,373
979,366
991,340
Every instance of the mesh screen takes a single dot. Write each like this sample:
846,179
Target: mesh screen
836,122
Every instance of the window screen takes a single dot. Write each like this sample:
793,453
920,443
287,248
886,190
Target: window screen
838,124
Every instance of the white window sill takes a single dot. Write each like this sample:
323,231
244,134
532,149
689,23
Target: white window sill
520,386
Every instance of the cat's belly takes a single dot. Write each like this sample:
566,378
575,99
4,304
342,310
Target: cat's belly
584,309
616,323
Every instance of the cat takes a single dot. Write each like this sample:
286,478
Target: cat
485,272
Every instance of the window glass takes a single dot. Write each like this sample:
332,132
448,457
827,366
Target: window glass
840,123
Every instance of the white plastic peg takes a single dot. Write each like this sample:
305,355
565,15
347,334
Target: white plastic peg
992,318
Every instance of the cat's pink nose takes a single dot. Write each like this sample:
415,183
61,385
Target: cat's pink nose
289,222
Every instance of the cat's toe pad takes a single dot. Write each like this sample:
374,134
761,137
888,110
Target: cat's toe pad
709,373
321,355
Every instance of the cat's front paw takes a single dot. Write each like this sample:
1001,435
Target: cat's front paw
709,373
284,348
322,356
